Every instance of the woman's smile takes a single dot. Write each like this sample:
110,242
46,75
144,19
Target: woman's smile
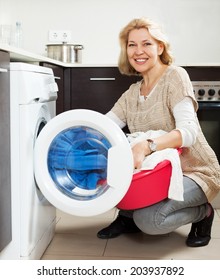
141,61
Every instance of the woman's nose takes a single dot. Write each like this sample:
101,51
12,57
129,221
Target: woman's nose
139,50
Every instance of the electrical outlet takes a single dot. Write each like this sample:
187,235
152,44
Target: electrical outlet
66,35
59,35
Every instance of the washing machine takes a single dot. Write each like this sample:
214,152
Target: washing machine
33,93
79,161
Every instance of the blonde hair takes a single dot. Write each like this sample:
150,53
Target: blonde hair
154,30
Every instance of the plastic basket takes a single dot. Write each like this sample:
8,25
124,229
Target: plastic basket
148,187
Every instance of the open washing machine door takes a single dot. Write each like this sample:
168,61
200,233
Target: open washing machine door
83,162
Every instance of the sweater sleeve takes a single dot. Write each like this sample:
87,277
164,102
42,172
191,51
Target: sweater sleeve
180,87
121,107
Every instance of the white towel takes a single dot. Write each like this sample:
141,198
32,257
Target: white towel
176,181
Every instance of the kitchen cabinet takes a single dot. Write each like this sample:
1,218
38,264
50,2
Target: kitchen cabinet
95,88
5,182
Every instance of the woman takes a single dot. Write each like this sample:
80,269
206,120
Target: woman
164,100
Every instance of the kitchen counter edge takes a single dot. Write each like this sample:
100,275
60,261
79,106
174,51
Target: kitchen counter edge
21,55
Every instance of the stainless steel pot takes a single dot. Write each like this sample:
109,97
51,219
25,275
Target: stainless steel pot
69,53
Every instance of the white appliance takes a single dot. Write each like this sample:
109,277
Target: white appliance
33,92
79,161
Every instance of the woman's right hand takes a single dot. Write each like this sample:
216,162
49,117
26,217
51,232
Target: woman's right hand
140,151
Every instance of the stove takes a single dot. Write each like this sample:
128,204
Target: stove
207,91
206,86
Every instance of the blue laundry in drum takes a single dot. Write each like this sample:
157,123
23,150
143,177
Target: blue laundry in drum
78,158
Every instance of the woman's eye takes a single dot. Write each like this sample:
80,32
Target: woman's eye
131,45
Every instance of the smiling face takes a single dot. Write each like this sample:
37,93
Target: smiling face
143,50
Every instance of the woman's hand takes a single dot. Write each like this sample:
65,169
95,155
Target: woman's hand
140,151
172,139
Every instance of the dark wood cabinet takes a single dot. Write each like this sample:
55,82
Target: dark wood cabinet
5,178
95,88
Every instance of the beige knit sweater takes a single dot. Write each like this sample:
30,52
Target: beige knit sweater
156,112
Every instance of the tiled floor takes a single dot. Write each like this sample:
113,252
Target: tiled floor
75,239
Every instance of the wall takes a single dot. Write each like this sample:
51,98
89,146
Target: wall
191,25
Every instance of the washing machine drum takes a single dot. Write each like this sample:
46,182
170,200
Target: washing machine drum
83,163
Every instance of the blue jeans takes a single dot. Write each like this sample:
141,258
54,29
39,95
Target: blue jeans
168,215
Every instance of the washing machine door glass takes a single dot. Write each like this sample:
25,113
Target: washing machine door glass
77,162
83,163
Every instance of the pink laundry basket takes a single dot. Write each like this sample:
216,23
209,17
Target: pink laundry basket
148,187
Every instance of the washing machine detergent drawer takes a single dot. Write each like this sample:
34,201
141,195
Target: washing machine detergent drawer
83,162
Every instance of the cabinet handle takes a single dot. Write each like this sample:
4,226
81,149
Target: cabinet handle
102,79
57,78
2,70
